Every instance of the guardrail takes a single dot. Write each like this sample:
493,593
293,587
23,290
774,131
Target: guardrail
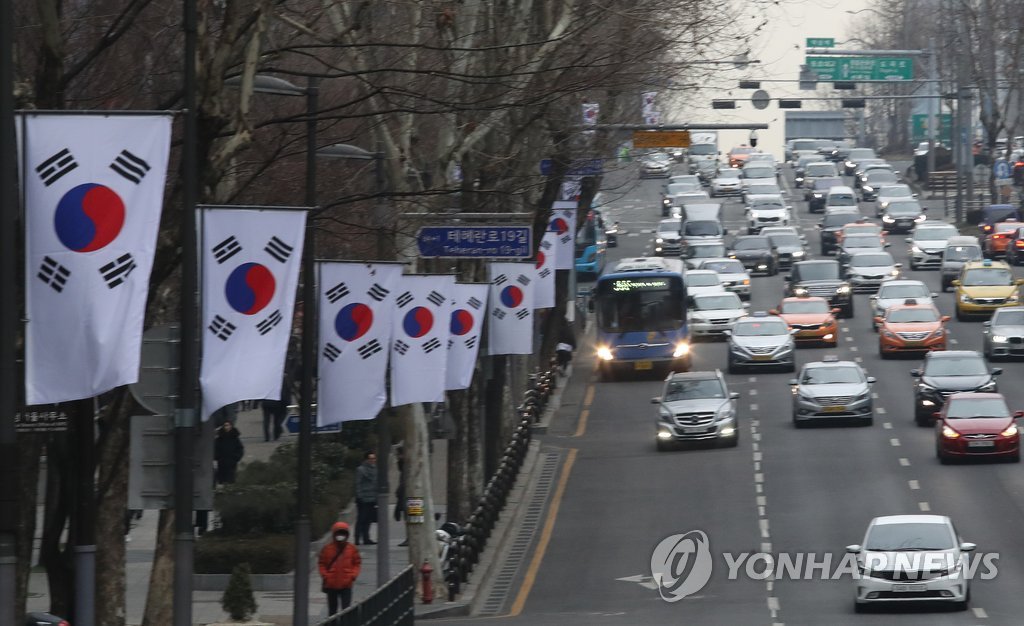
464,553
390,605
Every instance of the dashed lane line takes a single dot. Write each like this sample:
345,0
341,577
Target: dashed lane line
905,462
924,506
913,484
895,442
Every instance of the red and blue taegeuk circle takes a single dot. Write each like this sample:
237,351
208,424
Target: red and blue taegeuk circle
418,322
511,296
559,225
540,259
462,322
250,288
89,217
353,321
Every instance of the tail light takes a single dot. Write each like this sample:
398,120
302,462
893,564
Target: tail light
1019,243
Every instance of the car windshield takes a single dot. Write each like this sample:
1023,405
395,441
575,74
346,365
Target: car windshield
862,241
820,169
762,189
703,149
875,177
693,390
819,271
785,240
736,151
962,253
967,408
896,191
702,227
753,243
999,213
987,277
1007,227
956,366
725,301
909,536
759,172
872,260
861,153
891,292
912,316
935,234
842,199
675,188
831,375
760,328
805,144
669,227
705,252
807,159
659,156
729,173
702,280
825,183
724,267
767,204
805,306
911,208
1008,318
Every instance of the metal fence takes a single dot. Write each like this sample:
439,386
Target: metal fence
391,605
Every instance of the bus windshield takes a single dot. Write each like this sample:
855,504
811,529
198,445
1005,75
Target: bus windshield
639,303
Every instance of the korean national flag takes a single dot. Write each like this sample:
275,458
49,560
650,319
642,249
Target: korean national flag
250,270
357,302
94,188
469,307
510,320
544,272
419,339
563,224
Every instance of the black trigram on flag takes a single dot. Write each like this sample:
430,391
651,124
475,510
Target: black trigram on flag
377,292
115,272
499,313
500,279
130,166
566,238
268,324
476,304
331,352
400,346
336,293
370,348
278,249
221,328
435,298
53,274
544,273
522,314
226,249
469,343
523,280
546,244
51,170
431,345
404,299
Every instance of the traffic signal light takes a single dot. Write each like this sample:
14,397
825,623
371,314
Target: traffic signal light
723,104
790,104
853,103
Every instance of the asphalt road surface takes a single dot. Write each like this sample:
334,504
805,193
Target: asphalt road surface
781,490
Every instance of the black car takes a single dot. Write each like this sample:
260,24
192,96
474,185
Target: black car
44,619
947,372
817,192
756,253
901,216
832,224
822,278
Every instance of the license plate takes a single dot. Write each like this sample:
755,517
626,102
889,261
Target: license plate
762,357
835,409
643,365
981,444
912,344
910,587
694,429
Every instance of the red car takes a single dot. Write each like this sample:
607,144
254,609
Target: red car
977,425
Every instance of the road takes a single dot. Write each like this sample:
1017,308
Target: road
780,491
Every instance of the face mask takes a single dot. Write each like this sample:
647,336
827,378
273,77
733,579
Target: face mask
340,537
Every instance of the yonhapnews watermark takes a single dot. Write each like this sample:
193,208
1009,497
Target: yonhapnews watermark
682,564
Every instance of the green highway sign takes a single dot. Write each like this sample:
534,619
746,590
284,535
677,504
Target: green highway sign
861,68
821,42
943,132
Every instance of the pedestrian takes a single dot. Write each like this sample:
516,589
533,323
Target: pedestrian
227,451
564,349
339,567
274,414
366,498
400,489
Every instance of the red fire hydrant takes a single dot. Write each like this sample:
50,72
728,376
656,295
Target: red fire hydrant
428,583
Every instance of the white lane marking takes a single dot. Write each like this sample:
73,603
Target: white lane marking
953,341
752,379
895,442
759,477
857,359
924,506
880,410
755,423
757,456
874,396
979,612
854,349
756,436
887,425
757,466
905,462
760,511
632,234
753,407
753,392
762,500
773,606
754,446
849,339
763,523
758,489
766,547
914,484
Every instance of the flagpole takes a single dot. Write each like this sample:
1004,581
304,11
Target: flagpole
85,513
185,418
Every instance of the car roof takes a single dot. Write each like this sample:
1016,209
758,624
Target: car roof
817,364
699,271
817,262
986,263
804,299
839,189
870,252
951,354
704,375
718,259
903,305
910,519
972,395
903,281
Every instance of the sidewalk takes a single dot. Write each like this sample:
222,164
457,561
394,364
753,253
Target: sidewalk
274,607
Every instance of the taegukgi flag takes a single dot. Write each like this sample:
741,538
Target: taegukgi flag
544,272
94,187
419,338
469,306
510,321
357,302
563,224
250,269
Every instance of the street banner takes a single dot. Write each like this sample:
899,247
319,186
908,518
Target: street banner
468,306
590,111
250,272
93,188
563,224
510,320
647,102
419,338
356,302
544,272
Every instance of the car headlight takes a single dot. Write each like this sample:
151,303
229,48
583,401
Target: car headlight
999,339
941,332
867,188
1013,298
1009,432
888,219
915,249
665,414
864,395
800,291
659,240
604,353
818,196
682,349
949,433
989,386
724,414
843,289
920,218
966,299
889,334
666,201
894,272
799,253
746,281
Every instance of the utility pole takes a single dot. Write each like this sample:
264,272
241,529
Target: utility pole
933,103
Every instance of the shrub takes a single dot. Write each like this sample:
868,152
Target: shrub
256,509
238,600
263,554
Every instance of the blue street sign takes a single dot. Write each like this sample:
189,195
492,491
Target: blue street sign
292,424
1002,169
476,242
581,167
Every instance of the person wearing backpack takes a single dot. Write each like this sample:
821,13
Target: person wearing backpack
339,567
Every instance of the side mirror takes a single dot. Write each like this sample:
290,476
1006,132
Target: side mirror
913,195
945,318
967,546
773,311
793,331
916,373
955,282
656,400
996,371
734,395
937,415
987,323
745,305
854,549
934,295
878,319
793,382
886,245
909,240
898,265
871,379
1018,413
836,311
924,209
1019,281
787,277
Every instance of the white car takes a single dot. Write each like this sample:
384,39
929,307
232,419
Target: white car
734,276
759,173
765,211
711,314
726,183
866,271
700,282
898,292
911,558
761,189
888,193
667,239
928,242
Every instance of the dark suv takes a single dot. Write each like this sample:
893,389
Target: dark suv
822,278
947,372
831,224
817,192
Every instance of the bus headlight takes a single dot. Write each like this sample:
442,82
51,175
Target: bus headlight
682,349
605,354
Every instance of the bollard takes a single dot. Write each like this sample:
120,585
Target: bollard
428,584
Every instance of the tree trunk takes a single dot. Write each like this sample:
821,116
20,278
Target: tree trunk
159,597
422,543
30,448
111,508
58,560
458,456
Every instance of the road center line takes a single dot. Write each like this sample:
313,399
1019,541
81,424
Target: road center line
924,506
904,462
979,612
914,484
753,407
588,397
581,425
895,442
887,425
880,410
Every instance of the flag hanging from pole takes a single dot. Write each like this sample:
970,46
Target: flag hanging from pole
93,188
469,305
419,339
544,272
250,269
563,223
356,306
510,321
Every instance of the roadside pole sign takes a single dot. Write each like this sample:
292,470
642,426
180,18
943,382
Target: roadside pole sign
476,242
292,424
41,421
1002,169
414,510
829,68
661,139
821,42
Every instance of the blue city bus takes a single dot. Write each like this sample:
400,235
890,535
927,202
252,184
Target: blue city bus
640,316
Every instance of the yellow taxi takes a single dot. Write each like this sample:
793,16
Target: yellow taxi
983,287
911,327
812,319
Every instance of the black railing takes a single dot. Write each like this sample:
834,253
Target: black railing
391,605
464,553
